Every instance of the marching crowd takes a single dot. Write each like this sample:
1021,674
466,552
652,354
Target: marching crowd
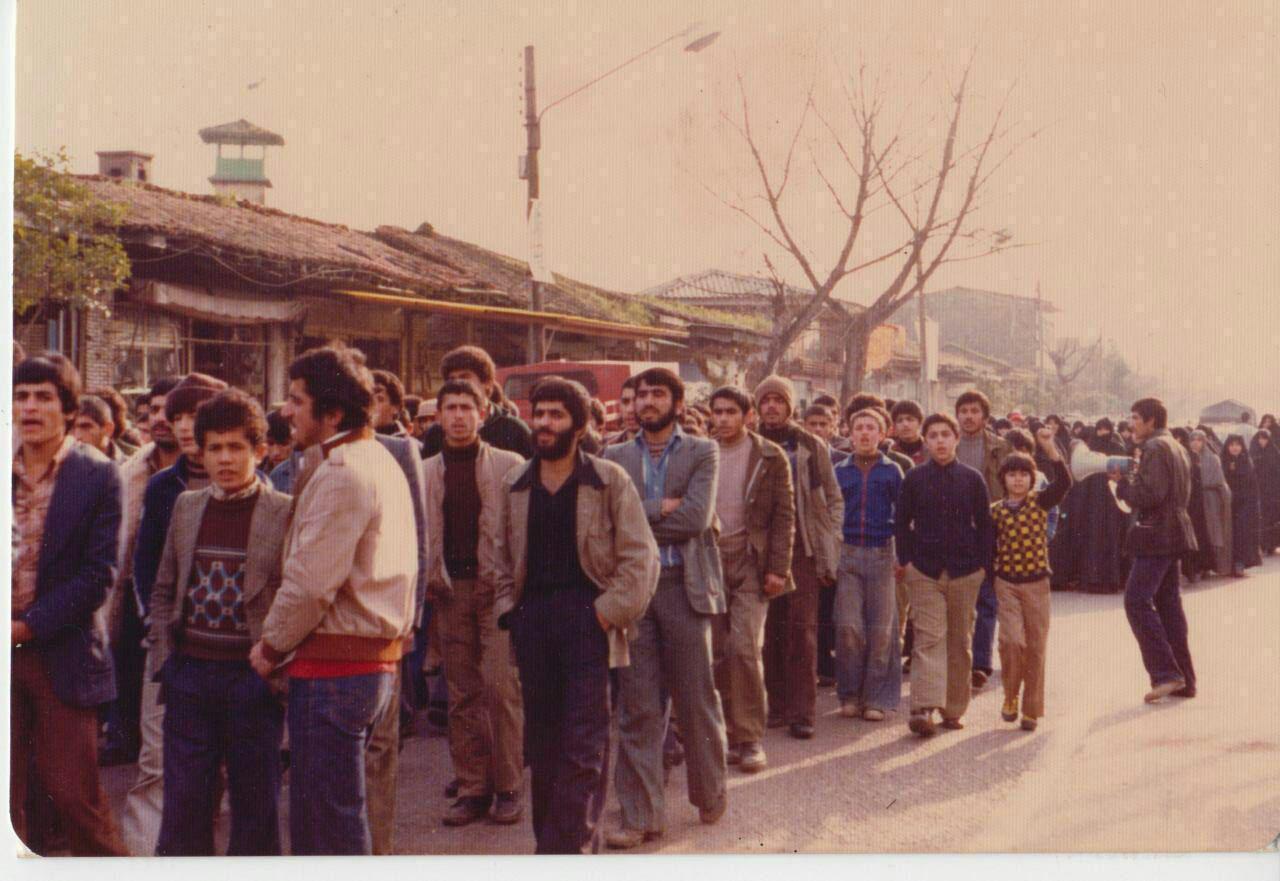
240,595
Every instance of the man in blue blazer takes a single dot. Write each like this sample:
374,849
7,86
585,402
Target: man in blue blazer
66,512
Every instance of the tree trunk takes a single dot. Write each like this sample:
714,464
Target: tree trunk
856,344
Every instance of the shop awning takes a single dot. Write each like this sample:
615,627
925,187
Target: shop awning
503,314
217,305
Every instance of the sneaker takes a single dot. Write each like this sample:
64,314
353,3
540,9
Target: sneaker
922,723
850,709
871,714
733,755
753,758
1185,691
952,724
801,730
1009,712
1163,690
715,812
467,809
1028,724
625,839
507,808
979,678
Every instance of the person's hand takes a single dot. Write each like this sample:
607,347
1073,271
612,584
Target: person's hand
1045,438
774,584
258,661
20,632
669,506
1115,475
899,571
604,625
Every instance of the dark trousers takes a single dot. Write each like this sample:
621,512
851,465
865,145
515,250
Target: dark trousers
59,743
1153,603
791,647
129,658
827,632
563,658
330,721
215,712
984,626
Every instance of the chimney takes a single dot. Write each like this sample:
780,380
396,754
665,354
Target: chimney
125,165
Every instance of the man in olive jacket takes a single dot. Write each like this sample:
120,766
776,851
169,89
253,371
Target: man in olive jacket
1161,534
756,509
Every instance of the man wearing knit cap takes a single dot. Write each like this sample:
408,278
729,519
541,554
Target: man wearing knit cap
142,812
791,628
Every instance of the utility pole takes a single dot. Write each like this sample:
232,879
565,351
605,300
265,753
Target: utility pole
1039,351
926,387
533,129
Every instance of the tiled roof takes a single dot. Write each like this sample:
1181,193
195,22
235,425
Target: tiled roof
240,132
1045,305
716,284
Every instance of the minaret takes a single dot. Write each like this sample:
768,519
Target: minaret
241,176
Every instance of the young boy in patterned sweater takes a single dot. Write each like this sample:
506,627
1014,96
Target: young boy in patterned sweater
1022,576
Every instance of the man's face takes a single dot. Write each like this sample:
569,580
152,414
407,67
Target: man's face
90,432
184,429
866,436
971,418
627,403
820,424
729,420
161,430
298,409
230,458
941,441
37,410
461,419
907,428
553,434
655,408
1102,431
1141,428
774,411
470,376
384,412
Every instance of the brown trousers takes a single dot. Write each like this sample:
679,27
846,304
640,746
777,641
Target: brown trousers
737,641
486,711
59,743
1023,616
942,656
791,647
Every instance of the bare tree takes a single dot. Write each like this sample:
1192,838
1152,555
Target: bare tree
936,201
1069,359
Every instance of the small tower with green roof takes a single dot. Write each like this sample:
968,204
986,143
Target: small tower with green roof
241,176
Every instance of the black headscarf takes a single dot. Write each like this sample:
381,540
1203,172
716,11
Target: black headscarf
1258,453
1240,466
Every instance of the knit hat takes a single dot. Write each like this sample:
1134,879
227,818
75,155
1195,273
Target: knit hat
776,385
190,393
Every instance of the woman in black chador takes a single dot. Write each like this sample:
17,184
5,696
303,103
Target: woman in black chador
1245,514
1266,462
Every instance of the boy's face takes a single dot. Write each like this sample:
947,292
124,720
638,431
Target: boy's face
866,436
907,428
941,441
384,412
728,418
821,425
277,453
184,429
461,419
1017,484
87,431
230,458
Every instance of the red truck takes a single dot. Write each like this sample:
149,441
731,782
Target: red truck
601,379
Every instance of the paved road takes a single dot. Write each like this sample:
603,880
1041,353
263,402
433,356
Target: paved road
1104,772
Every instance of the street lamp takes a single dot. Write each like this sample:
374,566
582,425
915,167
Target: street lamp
533,129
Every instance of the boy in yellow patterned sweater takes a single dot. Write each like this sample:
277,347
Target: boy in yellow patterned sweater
1022,577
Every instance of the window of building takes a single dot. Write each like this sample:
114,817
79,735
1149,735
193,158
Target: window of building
234,353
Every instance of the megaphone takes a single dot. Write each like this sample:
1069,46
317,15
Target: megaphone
1085,462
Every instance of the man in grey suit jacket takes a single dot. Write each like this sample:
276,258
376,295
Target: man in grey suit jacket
675,474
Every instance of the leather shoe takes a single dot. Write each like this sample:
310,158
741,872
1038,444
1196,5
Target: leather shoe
507,809
1163,690
625,839
467,809
979,678
922,723
451,791
1185,691
801,731
715,812
952,724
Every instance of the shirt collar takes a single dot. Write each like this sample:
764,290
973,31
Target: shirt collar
676,433
583,472
20,467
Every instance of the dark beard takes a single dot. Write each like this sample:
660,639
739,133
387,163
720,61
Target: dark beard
558,450
168,444
661,422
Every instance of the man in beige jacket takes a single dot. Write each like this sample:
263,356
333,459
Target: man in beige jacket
345,602
577,566
463,512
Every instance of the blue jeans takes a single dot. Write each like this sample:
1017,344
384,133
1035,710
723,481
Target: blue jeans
218,711
984,626
329,725
868,668
1153,603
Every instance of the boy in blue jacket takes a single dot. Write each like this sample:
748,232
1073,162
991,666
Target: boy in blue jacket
868,672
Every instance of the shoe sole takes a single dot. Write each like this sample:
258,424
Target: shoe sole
922,727
1160,692
506,821
753,767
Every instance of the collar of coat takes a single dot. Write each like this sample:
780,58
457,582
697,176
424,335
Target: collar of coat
583,470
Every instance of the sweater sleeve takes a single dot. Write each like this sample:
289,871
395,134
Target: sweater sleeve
1056,491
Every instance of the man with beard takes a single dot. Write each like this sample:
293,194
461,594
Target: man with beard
1105,440
463,501
124,614
676,476
144,804
577,566
791,627
984,451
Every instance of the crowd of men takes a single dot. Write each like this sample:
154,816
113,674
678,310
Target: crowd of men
240,594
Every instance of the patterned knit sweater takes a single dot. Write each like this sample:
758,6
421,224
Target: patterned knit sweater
214,622
1022,531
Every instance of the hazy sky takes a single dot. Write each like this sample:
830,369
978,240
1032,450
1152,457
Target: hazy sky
1148,200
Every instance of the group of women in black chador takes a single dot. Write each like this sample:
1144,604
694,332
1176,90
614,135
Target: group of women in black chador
1235,505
